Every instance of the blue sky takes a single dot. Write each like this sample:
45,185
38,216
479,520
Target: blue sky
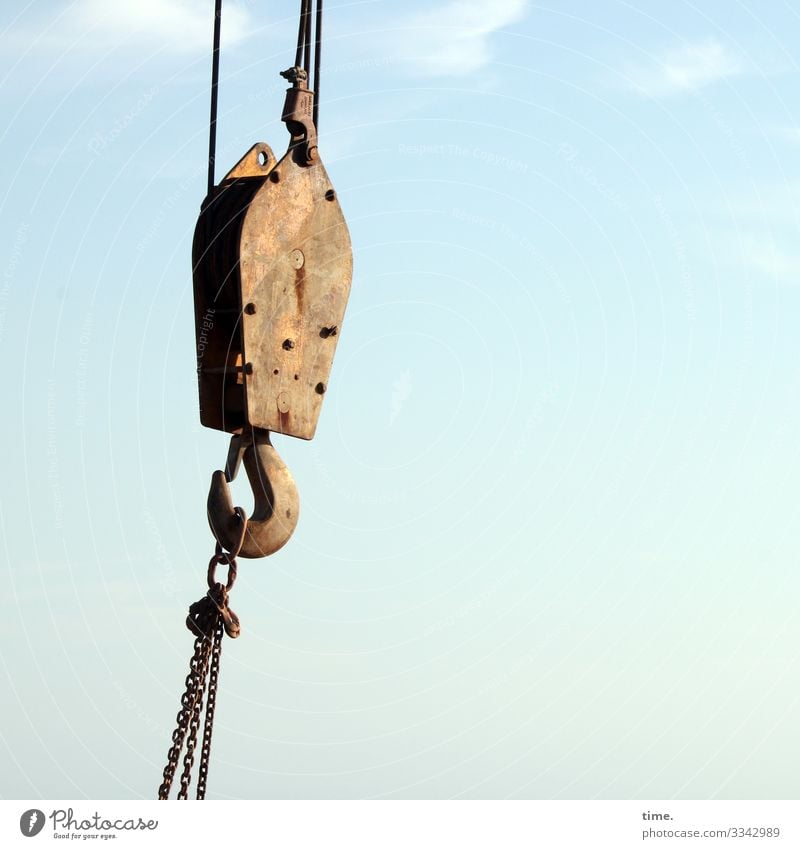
546,545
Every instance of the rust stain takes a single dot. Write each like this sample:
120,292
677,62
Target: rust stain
300,287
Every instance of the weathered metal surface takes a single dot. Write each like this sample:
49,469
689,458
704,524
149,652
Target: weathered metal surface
217,295
257,162
298,113
273,267
277,503
272,272
296,270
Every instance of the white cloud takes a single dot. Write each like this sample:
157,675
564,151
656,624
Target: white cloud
788,134
178,25
446,39
766,217
684,69
765,257
772,205
451,39
182,24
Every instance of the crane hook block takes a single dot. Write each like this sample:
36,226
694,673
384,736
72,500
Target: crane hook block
272,270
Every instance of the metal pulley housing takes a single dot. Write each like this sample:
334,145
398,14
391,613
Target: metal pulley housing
272,272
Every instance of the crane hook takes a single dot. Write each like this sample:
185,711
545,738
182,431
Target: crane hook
277,504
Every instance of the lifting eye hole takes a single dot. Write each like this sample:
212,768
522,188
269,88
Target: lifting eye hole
263,159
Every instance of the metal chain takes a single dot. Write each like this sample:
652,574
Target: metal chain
207,619
211,701
188,701
194,721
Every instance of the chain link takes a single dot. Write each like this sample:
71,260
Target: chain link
187,708
194,720
208,618
211,701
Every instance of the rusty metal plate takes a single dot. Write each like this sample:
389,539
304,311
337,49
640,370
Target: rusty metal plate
217,296
295,272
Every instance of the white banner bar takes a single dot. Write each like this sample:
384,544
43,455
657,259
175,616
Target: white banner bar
403,824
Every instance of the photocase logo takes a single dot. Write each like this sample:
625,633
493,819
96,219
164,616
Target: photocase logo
31,822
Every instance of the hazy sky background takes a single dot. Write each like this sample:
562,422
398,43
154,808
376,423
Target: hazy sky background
548,536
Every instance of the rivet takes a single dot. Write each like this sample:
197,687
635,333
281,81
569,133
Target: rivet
250,309
320,389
